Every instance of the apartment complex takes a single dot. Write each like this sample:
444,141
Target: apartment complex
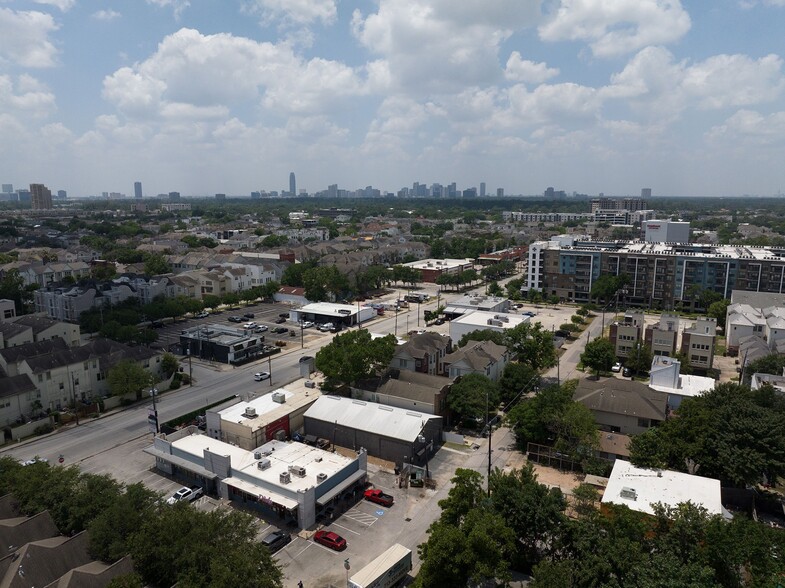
661,275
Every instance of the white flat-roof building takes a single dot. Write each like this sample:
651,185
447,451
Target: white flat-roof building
290,479
268,414
641,488
665,377
480,320
344,315
473,302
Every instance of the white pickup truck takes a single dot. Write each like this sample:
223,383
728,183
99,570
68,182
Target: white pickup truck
185,494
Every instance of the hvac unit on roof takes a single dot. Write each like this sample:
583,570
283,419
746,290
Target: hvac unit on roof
279,397
629,493
321,477
250,412
297,470
285,478
257,455
264,464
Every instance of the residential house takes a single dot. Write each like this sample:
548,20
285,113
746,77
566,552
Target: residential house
697,343
422,353
411,391
12,335
661,337
742,320
44,329
665,376
484,357
67,303
626,333
7,310
43,274
622,406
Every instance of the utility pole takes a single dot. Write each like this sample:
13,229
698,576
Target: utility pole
270,369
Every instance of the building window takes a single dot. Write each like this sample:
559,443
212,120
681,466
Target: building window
643,423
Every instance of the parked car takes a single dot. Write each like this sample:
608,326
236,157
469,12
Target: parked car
185,494
330,539
440,321
36,459
203,314
260,329
276,540
251,325
616,367
627,372
279,330
325,327
307,324
280,320
284,315
248,315
235,319
259,376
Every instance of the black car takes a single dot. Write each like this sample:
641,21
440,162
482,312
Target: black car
235,319
627,372
248,315
276,540
279,330
284,315
280,320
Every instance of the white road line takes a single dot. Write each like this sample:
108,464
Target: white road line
345,528
304,550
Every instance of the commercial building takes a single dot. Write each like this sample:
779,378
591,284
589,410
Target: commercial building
290,480
666,231
480,321
431,269
223,344
292,185
474,302
393,434
662,275
138,190
641,489
343,315
266,415
40,197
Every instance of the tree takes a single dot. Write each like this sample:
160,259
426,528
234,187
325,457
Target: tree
12,287
128,377
482,335
169,364
517,378
534,419
768,364
473,397
639,358
599,355
211,301
719,310
606,286
156,264
354,355
532,344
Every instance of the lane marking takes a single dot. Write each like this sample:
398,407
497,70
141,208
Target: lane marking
345,529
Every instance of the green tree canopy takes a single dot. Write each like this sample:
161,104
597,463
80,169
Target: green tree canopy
719,310
639,358
129,377
599,355
156,264
482,335
517,378
473,396
532,344
354,355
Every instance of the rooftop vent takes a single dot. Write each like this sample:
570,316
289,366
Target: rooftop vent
257,455
250,412
264,464
629,493
279,397
321,477
285,478
297,470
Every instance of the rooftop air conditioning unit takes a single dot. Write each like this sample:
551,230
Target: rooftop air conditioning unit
257,455
310,384
321,477
250,412
629,493
264,464
285,478
297,470
279,397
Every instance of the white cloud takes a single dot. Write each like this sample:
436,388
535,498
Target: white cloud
214,72
735,80
27,97
63,5
616,27
751,126
442,44
302,12
106,15
522,70
178,6
24,38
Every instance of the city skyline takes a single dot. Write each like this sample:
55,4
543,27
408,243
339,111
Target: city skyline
217,97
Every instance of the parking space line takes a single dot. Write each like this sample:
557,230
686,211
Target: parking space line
308,544
345,528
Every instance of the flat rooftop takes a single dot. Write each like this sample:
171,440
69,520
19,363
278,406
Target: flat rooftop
689,386
641,488
329,308
267,409
480,318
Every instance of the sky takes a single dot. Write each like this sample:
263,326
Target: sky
203,96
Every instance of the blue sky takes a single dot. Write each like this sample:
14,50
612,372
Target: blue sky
206,96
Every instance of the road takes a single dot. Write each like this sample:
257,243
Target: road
568,362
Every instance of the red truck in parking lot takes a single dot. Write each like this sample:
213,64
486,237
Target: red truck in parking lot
379,497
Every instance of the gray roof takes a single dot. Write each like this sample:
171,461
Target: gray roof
15,532
39,324
20,352
21,384
10,330
418,346
624,397
477,355
757,299
378,419
106,351
42,562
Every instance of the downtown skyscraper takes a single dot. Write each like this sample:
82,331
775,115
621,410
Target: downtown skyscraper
292,185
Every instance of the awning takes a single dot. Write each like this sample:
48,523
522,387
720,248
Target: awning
262,494
332,493
181,463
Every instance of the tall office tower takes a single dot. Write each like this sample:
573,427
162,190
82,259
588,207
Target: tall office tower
174,196
8,188
220,196
62,195
40,197
138,190
500,192
482,189
645,192
292,184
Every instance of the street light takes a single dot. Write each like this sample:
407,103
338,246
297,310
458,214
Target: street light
153,393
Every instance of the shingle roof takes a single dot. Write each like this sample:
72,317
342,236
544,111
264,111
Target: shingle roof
477,355
616,396
37,323
423,344
11,386
20,352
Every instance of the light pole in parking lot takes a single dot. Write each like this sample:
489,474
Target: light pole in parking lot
270,369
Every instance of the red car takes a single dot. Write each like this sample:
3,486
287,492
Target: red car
330,539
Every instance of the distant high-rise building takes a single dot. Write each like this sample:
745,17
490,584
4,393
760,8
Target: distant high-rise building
40,197
62,195
292,184
220,196
256,195
137,190
22,196
645,192
500,192
8,188
470,193
482,189
174,196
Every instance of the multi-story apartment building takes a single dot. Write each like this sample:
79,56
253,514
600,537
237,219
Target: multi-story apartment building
697,343
661,275
661,337
625,334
